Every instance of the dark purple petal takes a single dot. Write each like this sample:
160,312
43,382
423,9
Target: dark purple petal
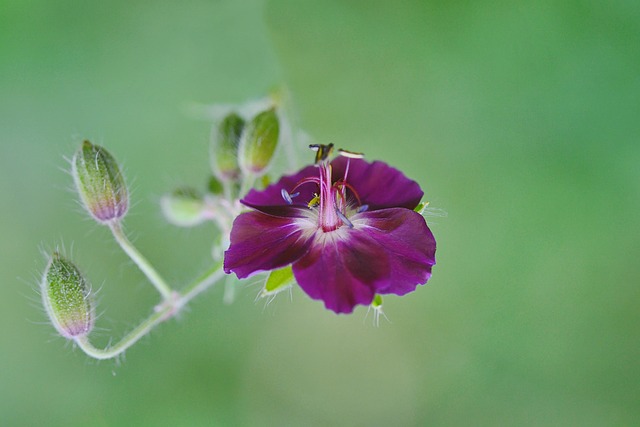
343,268
263,242
389,251
379,185
272,195
288,211
408,244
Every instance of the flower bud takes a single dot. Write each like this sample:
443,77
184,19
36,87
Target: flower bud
183,207
224,147
258,143
66,297
100,183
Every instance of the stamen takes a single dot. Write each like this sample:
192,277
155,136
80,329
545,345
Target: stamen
286,196
344,219
314,201
350,154
322,151
362,208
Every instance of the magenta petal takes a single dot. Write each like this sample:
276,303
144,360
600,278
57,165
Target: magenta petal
263,242
272,195
343,269
408,245
378,184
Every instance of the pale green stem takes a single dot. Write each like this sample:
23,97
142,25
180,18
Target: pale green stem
247,184
201,284
127,341
162,313
141,261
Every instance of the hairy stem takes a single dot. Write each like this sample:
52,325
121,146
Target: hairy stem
163,312
142,263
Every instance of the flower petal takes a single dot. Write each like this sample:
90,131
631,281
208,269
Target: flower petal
272,195
408,245
343,269
378,184
264,242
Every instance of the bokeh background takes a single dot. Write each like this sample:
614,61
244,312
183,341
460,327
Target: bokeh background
520,119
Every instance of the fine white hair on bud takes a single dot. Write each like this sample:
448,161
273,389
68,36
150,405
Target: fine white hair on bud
100,183
67,298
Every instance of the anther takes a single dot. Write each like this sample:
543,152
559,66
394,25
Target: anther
322,151
286,196
362,208
344,219
350,154
313,202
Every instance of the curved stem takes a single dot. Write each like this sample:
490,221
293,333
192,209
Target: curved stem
142,263
127,341
163,312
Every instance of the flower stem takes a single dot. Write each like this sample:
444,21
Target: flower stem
127,341
247,184
162,313
142,263
201,284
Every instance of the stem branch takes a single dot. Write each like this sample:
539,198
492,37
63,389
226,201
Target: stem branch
142,263
169,308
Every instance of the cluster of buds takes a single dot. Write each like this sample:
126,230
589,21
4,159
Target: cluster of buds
242,147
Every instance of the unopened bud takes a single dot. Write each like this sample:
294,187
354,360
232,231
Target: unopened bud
184,207
100,183
224,147
67,299
258,143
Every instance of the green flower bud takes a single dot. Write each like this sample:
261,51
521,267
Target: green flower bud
224,147
66,297
184,207
258,143
100,183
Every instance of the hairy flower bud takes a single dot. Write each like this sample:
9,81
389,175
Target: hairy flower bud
258,143
224,147
100,183
183,207
66,297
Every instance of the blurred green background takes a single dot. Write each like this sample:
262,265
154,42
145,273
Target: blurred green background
520,119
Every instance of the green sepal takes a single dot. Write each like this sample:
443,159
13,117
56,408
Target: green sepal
278,281
421,207
377,301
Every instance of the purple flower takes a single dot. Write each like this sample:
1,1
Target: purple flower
347,227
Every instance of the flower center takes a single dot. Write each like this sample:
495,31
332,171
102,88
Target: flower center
331,202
